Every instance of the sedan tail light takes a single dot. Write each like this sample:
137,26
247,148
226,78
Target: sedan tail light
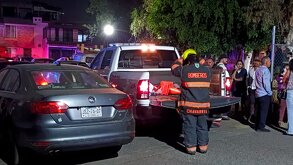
123,104
49,107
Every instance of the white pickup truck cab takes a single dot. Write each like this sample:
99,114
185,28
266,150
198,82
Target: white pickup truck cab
140,70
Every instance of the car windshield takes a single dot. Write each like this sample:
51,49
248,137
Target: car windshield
67,79
139,59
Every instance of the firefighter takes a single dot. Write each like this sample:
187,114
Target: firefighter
194,100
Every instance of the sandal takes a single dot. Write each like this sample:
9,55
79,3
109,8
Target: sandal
191,150
203,149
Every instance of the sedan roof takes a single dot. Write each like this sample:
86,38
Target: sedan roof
4,64
71,62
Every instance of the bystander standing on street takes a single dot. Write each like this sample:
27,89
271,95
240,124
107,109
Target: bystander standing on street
289,99
290,56
223,60
216,122
252,88
282,85
239,86
263,93
210,62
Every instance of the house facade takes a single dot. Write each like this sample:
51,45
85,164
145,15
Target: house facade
22,38
33,29
62,39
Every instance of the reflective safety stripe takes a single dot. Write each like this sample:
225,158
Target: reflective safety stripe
196,105
196,111
196,84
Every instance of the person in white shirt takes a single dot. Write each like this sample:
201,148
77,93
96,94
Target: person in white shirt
252,87
223,60
290,56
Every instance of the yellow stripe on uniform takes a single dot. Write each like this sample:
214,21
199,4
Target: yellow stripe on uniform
197,105
197,111
196,84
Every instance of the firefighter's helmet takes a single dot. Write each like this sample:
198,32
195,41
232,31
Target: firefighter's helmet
188,52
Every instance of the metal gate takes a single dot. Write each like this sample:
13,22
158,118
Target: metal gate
282,55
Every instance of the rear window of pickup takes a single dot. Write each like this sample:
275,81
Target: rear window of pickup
133,59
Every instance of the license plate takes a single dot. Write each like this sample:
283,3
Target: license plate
90,112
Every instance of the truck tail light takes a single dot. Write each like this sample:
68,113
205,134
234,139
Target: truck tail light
228,85
123,104
49,107
142,89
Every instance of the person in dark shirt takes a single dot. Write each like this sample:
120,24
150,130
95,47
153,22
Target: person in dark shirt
210,63
239,85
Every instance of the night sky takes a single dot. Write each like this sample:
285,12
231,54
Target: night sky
74,10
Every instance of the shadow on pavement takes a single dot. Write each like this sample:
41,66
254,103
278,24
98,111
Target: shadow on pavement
166,129
79,157
67,158
272,119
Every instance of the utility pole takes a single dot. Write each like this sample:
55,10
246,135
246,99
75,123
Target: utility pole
273,52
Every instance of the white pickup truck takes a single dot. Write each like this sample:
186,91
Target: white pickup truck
143,71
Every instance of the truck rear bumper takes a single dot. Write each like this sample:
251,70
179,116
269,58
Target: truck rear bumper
164,106
170,101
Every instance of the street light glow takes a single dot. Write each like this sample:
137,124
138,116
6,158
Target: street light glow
108,30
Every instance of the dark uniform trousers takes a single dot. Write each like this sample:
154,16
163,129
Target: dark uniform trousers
262,110
195,130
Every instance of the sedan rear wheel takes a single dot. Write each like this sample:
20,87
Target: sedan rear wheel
114,149
14,155
13,151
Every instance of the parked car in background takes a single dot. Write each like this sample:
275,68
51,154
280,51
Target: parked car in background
42,60
4,64
6,59
62,59
23,58
51,108
71,62
87,58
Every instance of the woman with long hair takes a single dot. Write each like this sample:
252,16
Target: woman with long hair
239,84
289,98
281,88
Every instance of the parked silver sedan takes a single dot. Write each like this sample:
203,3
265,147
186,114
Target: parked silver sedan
51,108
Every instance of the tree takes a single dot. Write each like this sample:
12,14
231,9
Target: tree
110,12
194,23
214,26
261,16
93,31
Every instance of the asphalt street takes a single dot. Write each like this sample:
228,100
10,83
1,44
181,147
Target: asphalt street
232,143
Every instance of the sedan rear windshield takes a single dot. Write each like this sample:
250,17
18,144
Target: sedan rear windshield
134,59
68,79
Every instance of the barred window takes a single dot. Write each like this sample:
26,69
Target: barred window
10,31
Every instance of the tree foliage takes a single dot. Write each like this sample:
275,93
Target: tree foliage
212,26
110,12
